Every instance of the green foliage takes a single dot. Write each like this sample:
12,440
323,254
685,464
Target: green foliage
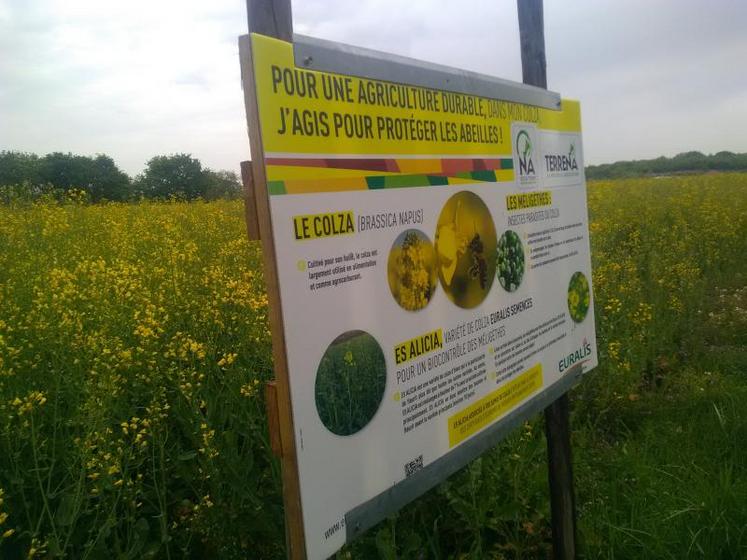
55,173
134,343
133,347
28,177
19,167
176,176
687,162
65,171
221,184
106,180
669,480
182,177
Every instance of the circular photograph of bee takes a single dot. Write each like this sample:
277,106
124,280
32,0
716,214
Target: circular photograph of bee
411,270
510,261
578,297
350,382
465,249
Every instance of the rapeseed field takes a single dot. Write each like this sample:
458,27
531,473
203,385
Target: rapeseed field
134,345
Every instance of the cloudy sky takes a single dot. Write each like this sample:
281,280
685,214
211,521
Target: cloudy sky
146,77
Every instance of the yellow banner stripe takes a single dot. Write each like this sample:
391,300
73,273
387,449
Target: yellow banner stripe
480,414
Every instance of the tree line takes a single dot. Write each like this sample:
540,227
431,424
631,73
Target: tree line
687,162
183,177
180,176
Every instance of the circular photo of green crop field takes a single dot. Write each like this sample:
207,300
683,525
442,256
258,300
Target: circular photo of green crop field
578,297
411,270
510,261
465,249
350,382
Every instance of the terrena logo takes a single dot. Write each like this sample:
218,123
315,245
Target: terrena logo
562,162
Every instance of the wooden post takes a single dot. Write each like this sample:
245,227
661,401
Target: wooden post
250,201
557,422
560,474
270,17
273,18
532,38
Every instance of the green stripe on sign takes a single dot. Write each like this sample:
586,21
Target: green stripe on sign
477,175
375,182
484,176
276,187
398,181
438,180
507,164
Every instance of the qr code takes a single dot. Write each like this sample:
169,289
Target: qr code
414,466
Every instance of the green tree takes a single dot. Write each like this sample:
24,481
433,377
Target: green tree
65,171
686,162
99,177
177,175
18,167
221,184
107,181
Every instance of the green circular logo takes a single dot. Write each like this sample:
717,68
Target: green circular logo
523,145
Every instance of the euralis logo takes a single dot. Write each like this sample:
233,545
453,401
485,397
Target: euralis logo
524,149
562,162
574,358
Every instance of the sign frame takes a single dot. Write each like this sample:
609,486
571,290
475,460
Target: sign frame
314,54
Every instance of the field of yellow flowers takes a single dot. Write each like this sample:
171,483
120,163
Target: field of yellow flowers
134,345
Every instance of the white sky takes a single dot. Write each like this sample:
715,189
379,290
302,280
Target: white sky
149,77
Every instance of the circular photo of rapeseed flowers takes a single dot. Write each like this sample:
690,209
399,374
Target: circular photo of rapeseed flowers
510,261
578,297
465,249
411,270
350,382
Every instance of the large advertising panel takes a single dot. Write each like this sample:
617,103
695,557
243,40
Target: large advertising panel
433,270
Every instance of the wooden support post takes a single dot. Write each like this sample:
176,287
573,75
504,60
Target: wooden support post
557,422
250,201
532,38
273,18
560,474
270,17
273,417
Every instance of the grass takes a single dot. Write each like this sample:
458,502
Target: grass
134,344
674,483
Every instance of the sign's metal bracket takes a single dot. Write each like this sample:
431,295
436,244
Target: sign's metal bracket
329,56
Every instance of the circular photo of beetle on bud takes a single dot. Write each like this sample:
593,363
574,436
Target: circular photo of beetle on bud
465,249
